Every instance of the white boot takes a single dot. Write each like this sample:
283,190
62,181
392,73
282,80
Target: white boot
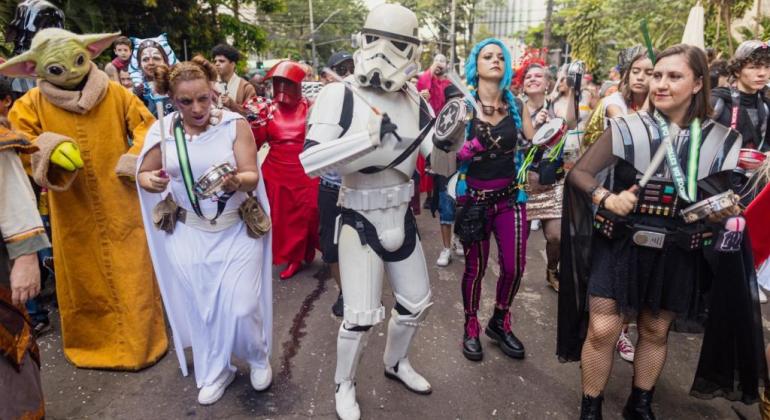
350,346
345,401
401,330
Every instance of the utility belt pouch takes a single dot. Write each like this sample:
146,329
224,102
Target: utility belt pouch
254,216
164,214
470,224
609,224
694,237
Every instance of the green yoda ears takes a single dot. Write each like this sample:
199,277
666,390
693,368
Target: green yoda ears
58,56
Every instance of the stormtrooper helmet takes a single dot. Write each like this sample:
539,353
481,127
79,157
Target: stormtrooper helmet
389,48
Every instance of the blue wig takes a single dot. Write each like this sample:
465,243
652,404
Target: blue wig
472,77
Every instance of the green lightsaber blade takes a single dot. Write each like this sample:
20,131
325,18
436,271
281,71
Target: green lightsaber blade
647,40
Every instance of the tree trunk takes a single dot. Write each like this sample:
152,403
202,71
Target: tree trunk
548,24
213,5
728,29
471,22
719,23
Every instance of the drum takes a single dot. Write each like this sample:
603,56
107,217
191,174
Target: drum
550,133
750,159
449,131
709,206
209,185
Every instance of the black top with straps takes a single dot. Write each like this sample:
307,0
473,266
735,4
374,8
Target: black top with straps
500,142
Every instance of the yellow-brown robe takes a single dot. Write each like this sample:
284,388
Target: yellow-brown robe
111,313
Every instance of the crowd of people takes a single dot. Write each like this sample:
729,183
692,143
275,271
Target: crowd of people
183,184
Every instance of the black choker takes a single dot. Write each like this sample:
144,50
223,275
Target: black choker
489,110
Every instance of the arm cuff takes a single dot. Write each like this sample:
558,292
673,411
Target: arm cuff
27,246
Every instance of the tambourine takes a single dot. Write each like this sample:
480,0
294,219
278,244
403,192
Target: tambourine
550,133
210,183
709,206
750,159
449,131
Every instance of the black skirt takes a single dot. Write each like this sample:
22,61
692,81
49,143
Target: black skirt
668,279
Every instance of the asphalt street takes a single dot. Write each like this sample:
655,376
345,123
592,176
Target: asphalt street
303,360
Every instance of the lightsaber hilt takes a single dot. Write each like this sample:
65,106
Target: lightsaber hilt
160,110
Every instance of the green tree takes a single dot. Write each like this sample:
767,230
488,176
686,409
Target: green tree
583,25
196,24
597,30
436,16
334,20
719,18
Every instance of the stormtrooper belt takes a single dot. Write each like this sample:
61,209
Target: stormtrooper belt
376,199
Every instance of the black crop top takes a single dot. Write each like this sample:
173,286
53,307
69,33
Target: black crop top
500,142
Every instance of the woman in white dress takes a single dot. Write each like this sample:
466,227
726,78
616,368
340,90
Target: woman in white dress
214,278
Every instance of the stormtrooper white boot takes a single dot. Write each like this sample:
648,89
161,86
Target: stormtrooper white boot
350,345
401,330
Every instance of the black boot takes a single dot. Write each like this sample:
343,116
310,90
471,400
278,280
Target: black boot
499,329
471,343
591,408
639,405
338,309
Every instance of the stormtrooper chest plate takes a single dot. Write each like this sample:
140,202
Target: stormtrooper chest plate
402,111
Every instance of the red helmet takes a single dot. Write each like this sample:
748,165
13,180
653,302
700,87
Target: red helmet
288,70
287,82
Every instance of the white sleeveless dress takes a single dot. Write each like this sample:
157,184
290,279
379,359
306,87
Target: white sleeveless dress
216,286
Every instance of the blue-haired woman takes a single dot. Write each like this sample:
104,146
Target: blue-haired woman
489,197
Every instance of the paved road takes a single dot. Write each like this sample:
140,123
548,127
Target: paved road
538,387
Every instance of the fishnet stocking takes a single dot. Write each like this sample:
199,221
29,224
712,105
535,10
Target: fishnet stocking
604,326
651,347
552,233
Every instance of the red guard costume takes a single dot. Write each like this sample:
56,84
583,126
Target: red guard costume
292,194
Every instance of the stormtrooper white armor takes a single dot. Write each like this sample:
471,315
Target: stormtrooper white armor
351,131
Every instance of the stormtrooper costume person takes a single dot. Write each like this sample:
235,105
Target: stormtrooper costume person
368,129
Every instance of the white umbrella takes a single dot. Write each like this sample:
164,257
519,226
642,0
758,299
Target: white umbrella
693,30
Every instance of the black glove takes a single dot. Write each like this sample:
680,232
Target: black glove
387,126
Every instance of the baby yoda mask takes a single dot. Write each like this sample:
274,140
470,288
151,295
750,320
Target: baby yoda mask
58,56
